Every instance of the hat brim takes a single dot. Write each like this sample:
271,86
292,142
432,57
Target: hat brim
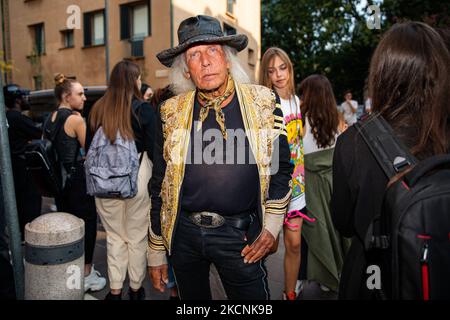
238,42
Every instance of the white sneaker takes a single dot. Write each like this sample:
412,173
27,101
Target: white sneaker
94,281
298,290
299,287
324,288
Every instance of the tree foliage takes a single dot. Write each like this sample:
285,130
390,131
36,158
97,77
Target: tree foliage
331,37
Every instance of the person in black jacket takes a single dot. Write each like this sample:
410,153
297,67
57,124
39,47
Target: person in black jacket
21,131
409,85
214,198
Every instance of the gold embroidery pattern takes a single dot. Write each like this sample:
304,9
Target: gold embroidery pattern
279,206
257,106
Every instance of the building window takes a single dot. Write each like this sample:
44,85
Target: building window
37,80
230,6
38,34
135,20
94,28
229,30
68,38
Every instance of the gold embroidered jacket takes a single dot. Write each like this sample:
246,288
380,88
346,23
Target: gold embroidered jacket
264,127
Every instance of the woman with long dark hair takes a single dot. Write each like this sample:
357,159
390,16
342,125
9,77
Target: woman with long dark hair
326,248
409,84
126,221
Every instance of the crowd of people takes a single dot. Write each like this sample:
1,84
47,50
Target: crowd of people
226,166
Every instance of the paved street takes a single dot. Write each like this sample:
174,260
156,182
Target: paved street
274,268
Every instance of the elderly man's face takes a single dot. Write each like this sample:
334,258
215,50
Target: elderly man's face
208,67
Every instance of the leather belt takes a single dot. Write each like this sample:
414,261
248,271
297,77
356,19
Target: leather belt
213,220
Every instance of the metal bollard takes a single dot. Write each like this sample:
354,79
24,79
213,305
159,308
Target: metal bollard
54,258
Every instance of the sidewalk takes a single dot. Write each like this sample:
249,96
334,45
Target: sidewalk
274,267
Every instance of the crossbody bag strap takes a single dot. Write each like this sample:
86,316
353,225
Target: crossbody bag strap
393,157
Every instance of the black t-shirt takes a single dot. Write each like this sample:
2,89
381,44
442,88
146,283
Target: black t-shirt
220,175
21,130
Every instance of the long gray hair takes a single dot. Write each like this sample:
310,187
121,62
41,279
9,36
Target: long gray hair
180,83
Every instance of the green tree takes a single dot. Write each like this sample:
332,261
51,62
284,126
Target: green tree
4,65
332,37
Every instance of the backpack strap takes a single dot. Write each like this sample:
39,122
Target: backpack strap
136,105
389,151
47,133
58,126
393,157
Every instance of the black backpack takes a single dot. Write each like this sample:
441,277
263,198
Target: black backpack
410,240
42,162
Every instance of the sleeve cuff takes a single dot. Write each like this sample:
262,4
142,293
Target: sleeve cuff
274,223
156,258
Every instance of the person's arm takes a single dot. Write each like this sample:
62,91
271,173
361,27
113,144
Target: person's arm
352,108
342,207
77,124
157,260
148,120
28,127
279,194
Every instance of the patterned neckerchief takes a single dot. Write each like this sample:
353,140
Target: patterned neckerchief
216,105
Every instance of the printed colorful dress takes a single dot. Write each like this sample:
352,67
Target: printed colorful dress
293,122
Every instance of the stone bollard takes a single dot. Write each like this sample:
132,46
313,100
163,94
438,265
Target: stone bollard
54,258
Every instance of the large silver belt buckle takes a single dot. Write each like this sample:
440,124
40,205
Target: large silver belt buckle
207,219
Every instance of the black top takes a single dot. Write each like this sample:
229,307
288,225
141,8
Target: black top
143,123
21,130
279,181
67,147
358,190
206,184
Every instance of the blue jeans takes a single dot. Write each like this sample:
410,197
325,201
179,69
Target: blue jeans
195,248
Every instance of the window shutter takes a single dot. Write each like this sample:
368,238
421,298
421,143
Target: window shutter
87,30
124,22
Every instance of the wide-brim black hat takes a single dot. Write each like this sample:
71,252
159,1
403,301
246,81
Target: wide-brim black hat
200,29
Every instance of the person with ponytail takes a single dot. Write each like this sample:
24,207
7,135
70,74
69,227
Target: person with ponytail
67,130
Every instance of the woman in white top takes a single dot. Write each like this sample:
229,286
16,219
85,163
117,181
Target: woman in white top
277,74
326,248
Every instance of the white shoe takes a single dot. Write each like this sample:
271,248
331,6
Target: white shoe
298,290
324,288
299,287
94,281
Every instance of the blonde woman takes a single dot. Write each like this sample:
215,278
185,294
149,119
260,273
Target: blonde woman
67,130
277,73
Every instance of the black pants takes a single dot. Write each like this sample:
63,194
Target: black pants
194,250
302,274
76,201
28,198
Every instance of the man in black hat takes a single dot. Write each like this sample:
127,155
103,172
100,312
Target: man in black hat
220,184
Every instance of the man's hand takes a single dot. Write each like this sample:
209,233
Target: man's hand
159,276
259,249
